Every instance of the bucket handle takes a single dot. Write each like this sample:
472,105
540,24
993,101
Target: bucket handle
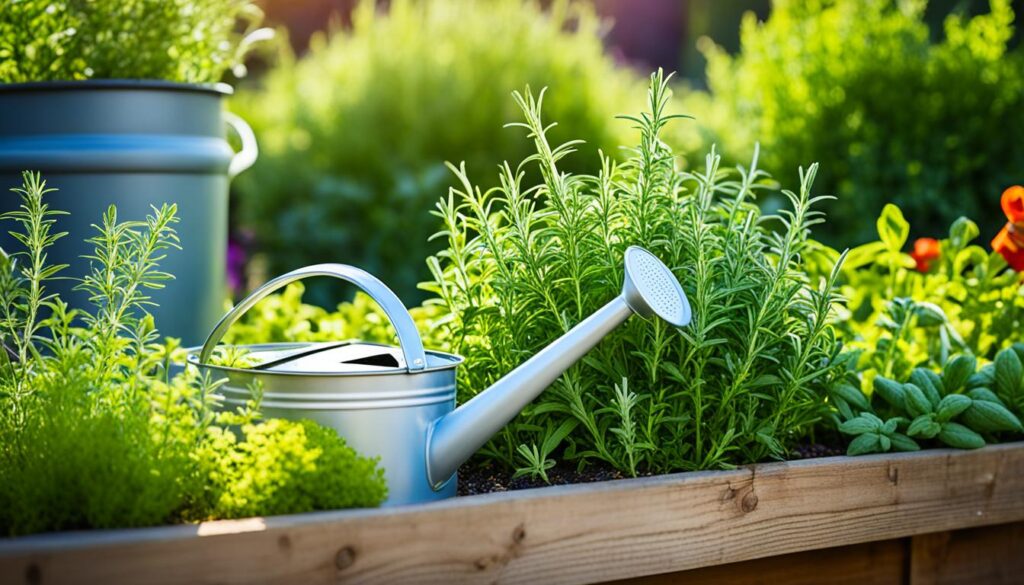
408,336
246,157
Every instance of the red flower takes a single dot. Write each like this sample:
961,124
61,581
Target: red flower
925,250
1010,240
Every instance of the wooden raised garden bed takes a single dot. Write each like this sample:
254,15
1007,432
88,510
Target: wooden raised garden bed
929,517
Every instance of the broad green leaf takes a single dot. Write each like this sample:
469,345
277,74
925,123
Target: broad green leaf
929,315
920,378
890,426
1008,373
858,426
893,229
863,444
984,394
916,402
863,255
924,427
990,417
986,377
962,232
902,442
951,406
890,391
852,396
884,443
959,436
957,371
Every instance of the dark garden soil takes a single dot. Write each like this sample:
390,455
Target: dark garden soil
484,479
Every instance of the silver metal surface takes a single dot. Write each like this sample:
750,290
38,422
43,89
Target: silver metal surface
650,288
133,144
408,337
384,407
454,438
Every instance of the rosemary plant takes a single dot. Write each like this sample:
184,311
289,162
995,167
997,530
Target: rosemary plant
524,263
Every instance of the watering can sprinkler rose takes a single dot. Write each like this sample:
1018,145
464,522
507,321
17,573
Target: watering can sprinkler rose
398,403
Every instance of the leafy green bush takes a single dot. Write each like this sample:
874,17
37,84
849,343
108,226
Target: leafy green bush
354,135
859,86
93,430
903,314
193,41
959,407
908,316
525,262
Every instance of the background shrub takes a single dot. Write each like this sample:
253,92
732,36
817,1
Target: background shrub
354,135
193,41
891,115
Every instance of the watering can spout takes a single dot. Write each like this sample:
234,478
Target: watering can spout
649,288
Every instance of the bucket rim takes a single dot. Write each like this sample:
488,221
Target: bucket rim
192,359
218,88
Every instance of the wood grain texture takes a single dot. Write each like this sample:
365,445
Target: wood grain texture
993,555
873,563
567,534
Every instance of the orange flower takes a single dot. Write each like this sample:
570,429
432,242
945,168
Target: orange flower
1013,204
925,250
1010,240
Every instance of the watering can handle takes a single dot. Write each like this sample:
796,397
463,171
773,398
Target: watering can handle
244,158
408,336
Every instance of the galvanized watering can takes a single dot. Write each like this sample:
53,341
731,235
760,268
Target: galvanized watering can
133,144
398,403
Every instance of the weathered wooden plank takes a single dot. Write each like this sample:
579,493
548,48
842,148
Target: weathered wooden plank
992,555
872,563
570,534
880,562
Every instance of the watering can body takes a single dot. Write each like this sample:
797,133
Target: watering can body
380,414
398,403
136,145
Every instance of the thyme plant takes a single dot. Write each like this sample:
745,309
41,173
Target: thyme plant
525,262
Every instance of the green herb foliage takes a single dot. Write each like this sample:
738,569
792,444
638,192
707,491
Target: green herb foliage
193,41
95,433
354,135
900,318
281,467
957,407
526,262
932,126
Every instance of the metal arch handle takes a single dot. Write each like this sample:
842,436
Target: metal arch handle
408,336
246,157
